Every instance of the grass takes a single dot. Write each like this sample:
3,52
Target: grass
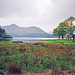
37,57
56,41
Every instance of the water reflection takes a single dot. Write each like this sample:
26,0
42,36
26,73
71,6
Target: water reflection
29,39
25,39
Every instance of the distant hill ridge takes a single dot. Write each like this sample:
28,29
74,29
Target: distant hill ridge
13,29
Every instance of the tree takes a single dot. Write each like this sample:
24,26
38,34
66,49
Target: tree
6,36
73,28
65,27
3,34
69,21
62,25
68,36
60,30
69,33
56,32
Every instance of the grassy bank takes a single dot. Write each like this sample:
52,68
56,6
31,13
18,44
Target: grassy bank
61,41
36,57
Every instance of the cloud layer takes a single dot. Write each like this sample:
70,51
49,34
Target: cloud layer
46,14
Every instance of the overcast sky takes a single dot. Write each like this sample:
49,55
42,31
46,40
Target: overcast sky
46,14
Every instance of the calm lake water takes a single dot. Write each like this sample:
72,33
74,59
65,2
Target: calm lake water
29,39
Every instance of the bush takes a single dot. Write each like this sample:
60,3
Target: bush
13,68
6,36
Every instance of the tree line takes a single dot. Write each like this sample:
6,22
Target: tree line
65,28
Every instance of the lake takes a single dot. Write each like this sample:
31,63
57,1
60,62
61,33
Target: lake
29,39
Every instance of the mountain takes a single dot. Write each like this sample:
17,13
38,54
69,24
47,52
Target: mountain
15,30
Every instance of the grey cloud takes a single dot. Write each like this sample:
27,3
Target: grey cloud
18,7
34,12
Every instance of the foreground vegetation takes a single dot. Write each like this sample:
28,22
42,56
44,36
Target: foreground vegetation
36,57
